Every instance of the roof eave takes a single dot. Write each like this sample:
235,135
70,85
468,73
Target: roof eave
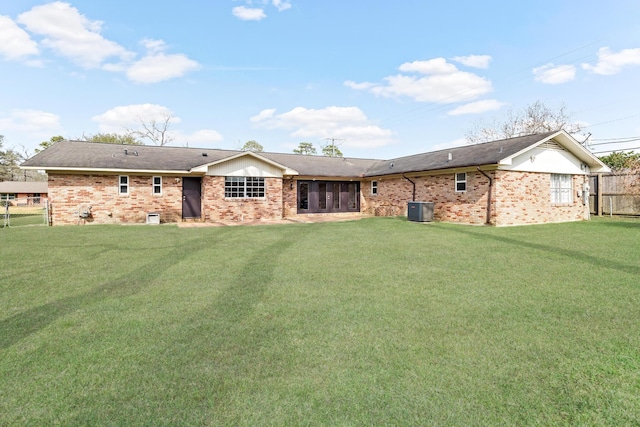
108,170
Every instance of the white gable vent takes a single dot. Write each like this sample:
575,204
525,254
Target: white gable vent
552,145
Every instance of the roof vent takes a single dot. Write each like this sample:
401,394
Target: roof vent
204,154
450,157
390,165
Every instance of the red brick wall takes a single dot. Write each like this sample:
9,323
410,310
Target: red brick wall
217,208
517,198
70,194
525,198
467,207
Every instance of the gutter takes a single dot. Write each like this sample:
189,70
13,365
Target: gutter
488,222
414,187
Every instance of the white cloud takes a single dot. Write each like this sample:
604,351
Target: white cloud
475,61
31,121
281,5
157,66
431,66
477,107
248,13
347,123
264,115
70,34
610,63
201,137
443,83
359,86
15,43
129,117
73,36
552,74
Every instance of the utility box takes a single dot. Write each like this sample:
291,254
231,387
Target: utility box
420,211
153,218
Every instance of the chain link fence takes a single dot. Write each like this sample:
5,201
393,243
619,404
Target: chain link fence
23,211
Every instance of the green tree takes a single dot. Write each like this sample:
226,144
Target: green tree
305,148
253,146
10,161
113,138
622,160
46,144
331,150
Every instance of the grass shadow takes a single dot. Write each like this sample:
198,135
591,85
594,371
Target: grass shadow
23,324
572,254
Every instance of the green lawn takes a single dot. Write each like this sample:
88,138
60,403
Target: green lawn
373,322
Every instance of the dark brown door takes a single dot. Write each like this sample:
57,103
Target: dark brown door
191,196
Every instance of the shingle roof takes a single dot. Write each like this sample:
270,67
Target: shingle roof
92,155
22,187
488,153
83,155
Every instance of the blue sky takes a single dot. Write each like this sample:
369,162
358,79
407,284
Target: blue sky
384,79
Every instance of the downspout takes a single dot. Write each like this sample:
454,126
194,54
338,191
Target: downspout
414,187
488,195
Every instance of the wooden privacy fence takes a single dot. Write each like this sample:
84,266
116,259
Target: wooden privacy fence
615,194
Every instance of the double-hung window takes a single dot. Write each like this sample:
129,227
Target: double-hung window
461,182
374,188
244,187
561,188
123,185
157,185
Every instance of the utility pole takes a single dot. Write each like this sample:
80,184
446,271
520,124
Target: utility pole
333,145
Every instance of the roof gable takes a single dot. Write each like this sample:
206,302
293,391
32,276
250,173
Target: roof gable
245,163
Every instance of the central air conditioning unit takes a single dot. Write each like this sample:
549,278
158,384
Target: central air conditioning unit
420,211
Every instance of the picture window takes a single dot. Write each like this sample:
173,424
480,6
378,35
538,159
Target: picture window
244,187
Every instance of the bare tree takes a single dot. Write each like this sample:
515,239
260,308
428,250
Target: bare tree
156,131
534,118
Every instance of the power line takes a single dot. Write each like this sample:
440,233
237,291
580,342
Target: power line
615,142
623,139
617,151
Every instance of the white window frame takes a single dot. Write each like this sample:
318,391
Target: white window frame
156,185
374,188
123,185
463,182
561,189
245,187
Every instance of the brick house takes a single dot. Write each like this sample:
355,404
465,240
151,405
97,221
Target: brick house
525,180
24,192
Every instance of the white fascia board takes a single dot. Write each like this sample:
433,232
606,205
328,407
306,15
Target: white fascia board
571,145
107,170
